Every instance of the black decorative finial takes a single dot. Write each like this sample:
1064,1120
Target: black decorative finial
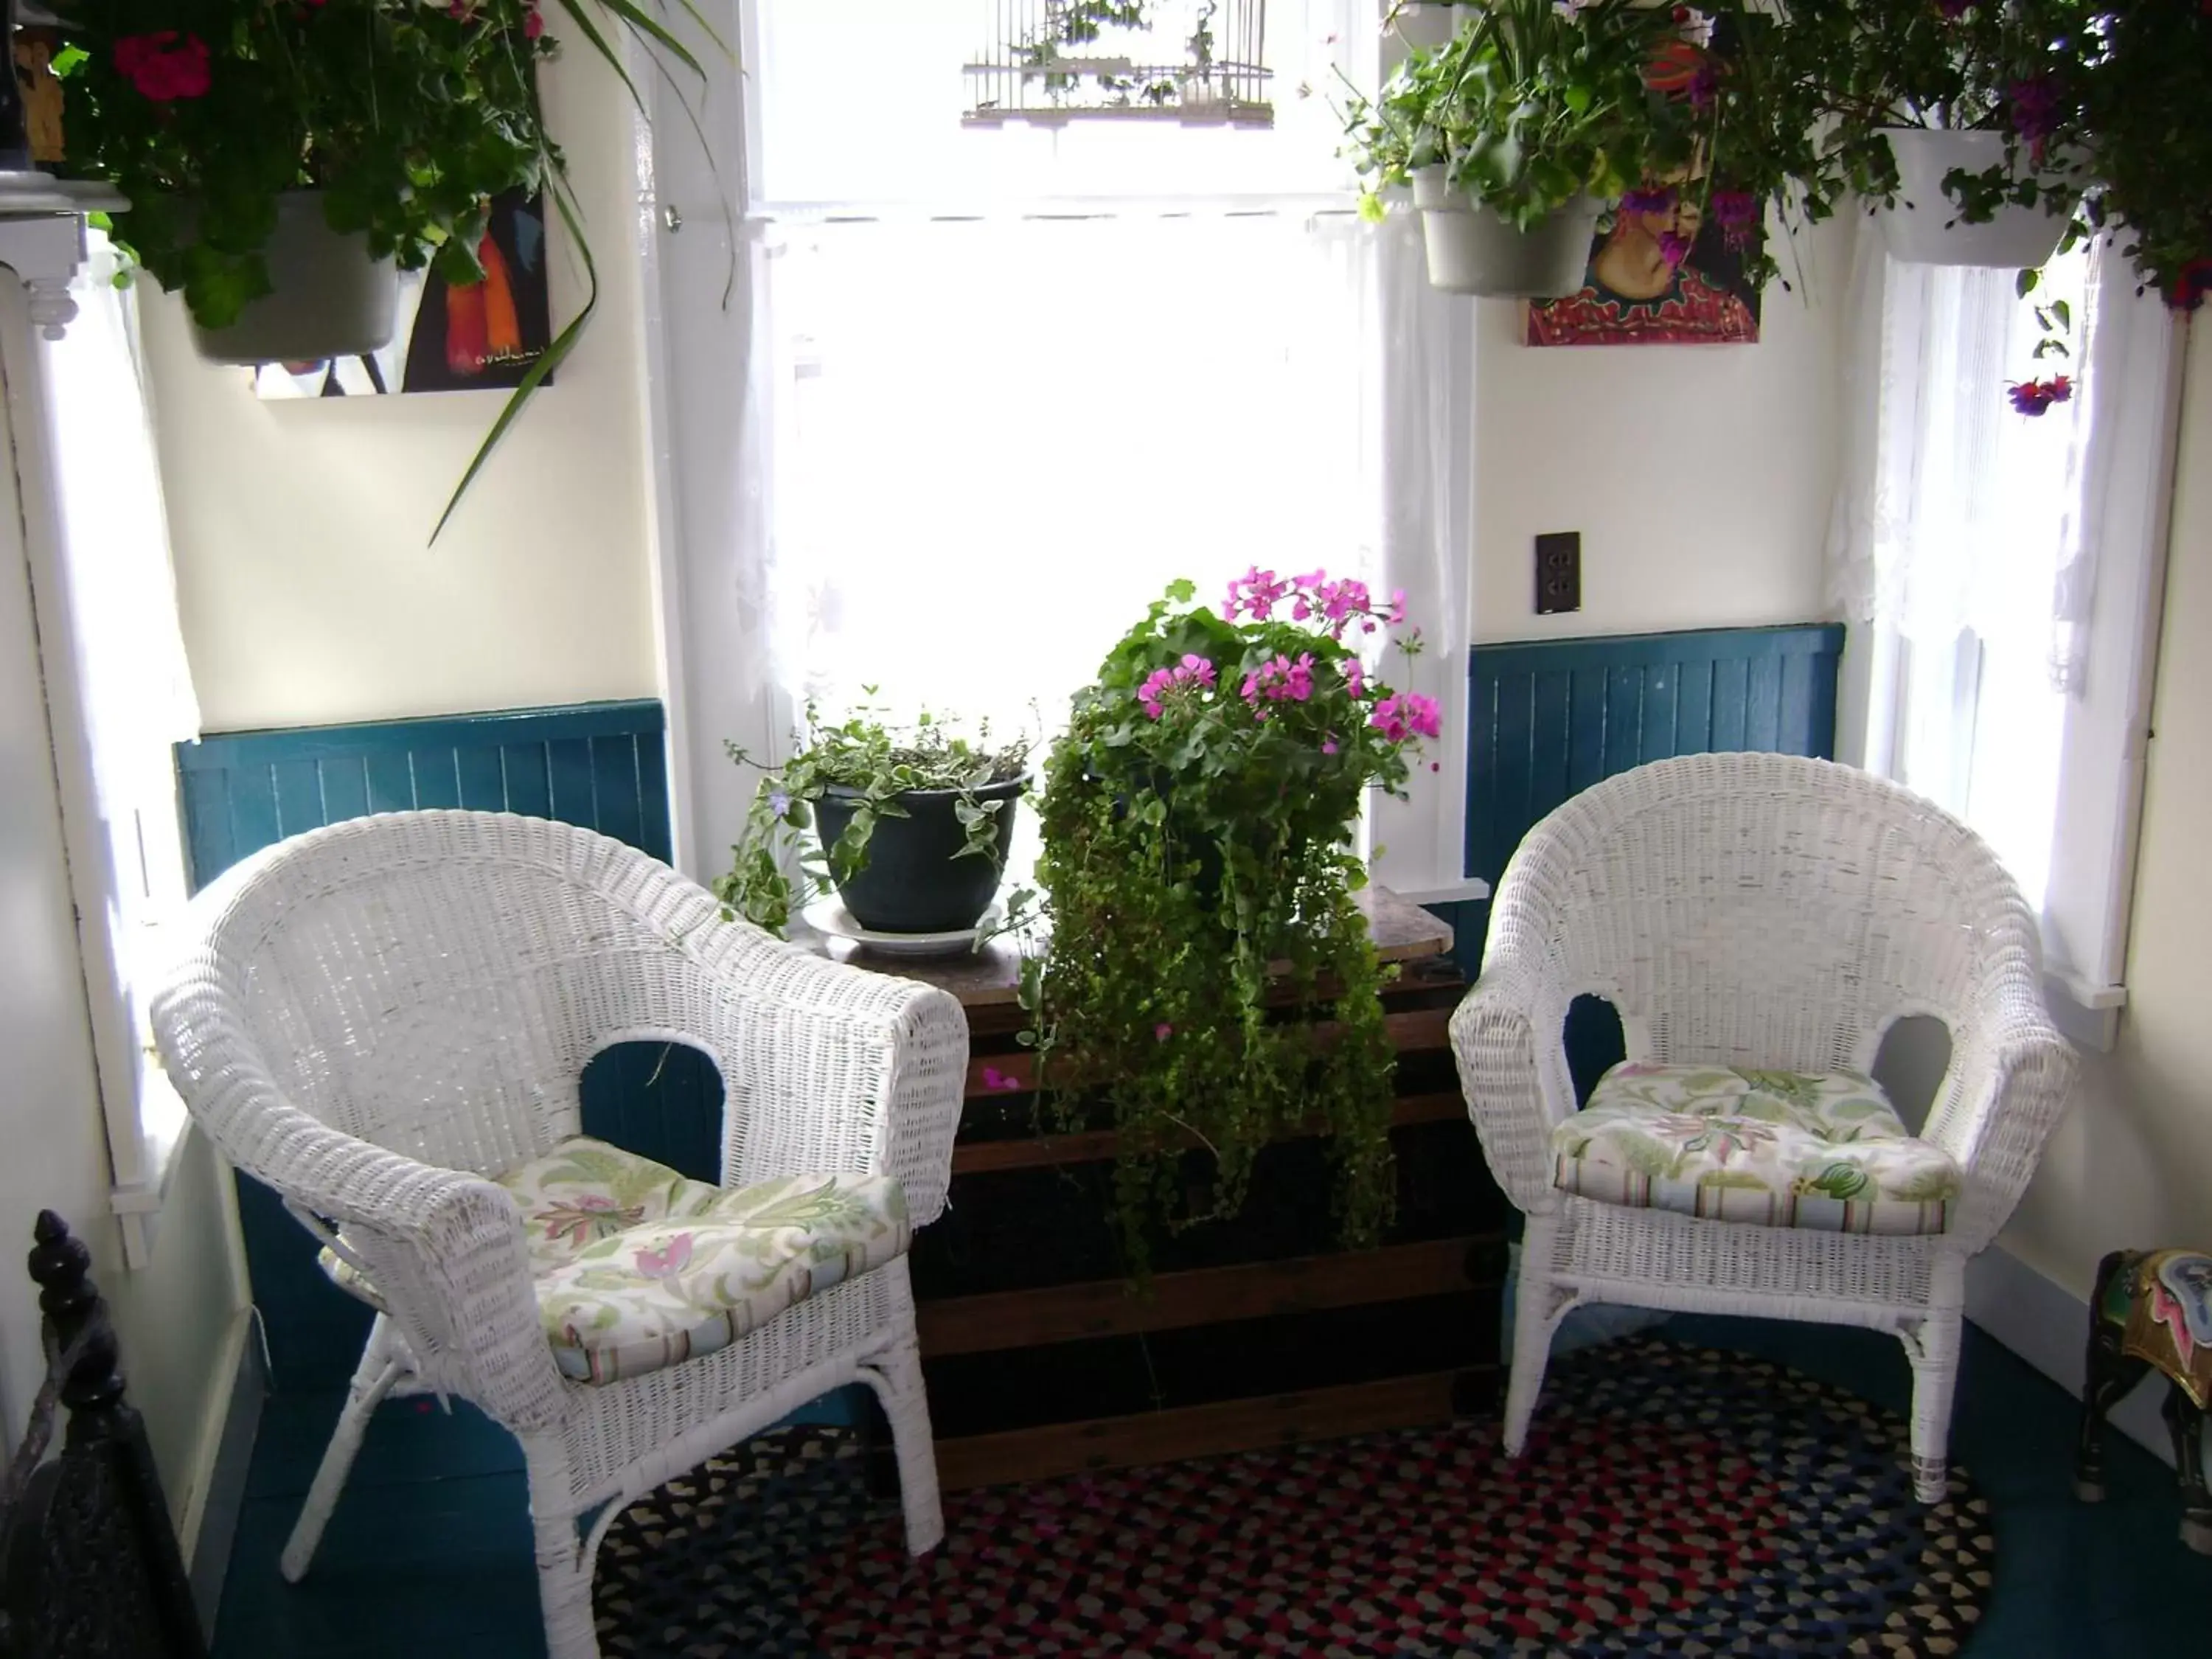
63,1268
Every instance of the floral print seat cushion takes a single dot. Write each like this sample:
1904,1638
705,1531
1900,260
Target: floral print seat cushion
638,1267
1824,1150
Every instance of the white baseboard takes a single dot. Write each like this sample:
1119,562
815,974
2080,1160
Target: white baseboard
225,1454
2048,1326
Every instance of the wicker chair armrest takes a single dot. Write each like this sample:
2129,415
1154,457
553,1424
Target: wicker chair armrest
2011,1077
444,1248
1507,1037
838,1068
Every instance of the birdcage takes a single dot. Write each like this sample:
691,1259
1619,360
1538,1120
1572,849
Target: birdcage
1053,61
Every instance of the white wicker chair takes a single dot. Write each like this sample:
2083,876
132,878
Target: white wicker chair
1761,910
377,1018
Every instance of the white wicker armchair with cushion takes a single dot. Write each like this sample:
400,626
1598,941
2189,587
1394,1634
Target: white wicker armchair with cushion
387,1021
1758,921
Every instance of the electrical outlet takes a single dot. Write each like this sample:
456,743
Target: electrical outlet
1558,572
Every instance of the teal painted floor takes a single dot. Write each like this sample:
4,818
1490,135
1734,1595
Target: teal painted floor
429,1552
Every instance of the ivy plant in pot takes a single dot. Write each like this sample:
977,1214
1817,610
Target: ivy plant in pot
910,826
1963,116
1516,132
1198,869
283,158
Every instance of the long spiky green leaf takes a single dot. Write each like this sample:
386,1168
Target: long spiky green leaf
562,344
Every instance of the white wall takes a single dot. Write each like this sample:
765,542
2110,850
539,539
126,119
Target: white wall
2131,1166
308,592
1700,477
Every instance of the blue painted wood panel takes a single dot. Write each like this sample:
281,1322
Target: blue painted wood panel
1549,718
601,765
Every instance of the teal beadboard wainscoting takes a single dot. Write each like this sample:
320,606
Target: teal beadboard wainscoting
1548,718
600,765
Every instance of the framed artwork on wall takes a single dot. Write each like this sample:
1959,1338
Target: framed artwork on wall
1637,292
484,336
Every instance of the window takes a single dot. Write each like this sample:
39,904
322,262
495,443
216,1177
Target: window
1004,382
2011,565
119,694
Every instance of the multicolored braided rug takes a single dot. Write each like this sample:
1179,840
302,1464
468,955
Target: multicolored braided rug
1673,1501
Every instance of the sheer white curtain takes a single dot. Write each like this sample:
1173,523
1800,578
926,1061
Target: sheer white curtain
120,690
1999,562
997,397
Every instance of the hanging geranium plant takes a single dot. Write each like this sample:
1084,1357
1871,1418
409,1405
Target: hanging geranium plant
1198,871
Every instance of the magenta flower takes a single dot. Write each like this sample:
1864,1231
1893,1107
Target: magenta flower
534,24
2034,107
1704,85
2195,280
164,66
1257,592
1397,607
1002,1081
1405,715
1648,201
1163,1031
1328,745
1674,247
1355,676
1193,670
1954,10
2034,397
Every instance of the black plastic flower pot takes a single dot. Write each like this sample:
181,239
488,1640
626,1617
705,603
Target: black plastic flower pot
914,880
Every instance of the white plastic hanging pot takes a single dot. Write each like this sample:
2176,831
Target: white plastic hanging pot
328,298
1473,251
1924,226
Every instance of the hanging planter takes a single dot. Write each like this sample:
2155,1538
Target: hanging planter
327,298
1923,227
1472,250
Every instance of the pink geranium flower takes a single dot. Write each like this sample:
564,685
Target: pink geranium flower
165,66
995,1078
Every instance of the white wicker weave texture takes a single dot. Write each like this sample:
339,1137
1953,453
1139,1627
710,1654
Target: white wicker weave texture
377,1018
1761,910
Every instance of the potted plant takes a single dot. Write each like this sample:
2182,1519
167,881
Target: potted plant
283,157
1962,119
909,825
2145,93
1198,869
1516,132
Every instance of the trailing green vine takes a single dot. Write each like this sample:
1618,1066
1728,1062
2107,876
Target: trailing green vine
1210,974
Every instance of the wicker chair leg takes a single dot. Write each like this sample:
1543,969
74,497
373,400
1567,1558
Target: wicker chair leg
1538,1307
1934,1351
897,1379
371,1380
567,1554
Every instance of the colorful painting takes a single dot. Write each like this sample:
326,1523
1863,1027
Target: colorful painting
1660,274
450,338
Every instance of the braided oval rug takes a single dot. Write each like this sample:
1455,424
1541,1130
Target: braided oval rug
1673,1500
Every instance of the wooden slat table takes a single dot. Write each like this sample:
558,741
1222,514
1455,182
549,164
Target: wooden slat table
1041,1361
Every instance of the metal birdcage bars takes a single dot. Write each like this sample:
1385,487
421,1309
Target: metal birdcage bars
1053,61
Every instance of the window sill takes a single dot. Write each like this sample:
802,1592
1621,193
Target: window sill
164,1128
2086,1015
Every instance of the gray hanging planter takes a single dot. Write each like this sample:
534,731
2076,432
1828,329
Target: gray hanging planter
1924,226
329,299
1473,251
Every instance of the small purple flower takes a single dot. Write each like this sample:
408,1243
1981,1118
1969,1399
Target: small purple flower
1954,10
1648,201
778,802
1704,85
1674,247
